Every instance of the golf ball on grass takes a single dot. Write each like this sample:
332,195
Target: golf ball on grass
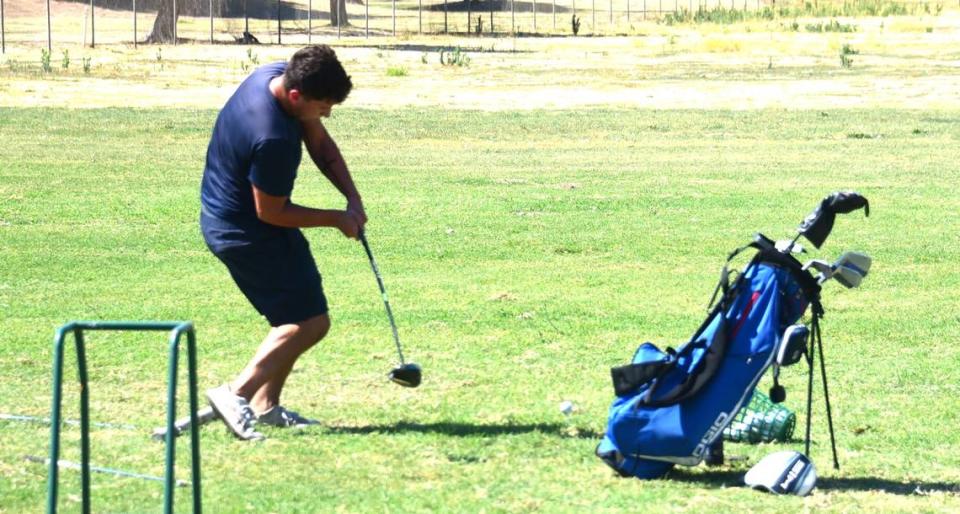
566,407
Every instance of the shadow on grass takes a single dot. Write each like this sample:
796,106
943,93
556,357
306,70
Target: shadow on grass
887,486
470,430
734,478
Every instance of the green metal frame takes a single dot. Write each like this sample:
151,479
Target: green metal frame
177,329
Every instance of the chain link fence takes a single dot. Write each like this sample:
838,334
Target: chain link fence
297,22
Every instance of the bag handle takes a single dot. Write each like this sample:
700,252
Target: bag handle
627,378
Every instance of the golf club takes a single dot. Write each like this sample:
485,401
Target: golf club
204,416
851,268
848,277
407,374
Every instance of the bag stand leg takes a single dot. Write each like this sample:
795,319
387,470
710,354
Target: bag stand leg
826,392
826,397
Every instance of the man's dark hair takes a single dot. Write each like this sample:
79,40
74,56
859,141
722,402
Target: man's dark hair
315,71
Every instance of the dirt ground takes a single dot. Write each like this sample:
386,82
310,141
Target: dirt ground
903,62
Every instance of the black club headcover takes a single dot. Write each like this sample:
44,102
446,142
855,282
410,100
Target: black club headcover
817,226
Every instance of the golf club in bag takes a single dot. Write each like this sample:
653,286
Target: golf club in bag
672,406
406,374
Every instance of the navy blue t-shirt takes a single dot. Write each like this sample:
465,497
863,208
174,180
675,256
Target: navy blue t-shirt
254,142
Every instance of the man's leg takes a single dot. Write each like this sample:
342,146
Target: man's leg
280,279
264,376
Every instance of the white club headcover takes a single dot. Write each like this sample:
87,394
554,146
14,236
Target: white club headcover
786,472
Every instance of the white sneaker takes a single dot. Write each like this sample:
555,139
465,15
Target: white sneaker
235,412
278,416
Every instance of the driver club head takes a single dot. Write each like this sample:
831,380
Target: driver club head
407,375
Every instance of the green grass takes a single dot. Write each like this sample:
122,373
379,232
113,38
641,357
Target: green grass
525,253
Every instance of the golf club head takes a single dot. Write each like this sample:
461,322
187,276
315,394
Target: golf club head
851,268
848,277
856,260
407,375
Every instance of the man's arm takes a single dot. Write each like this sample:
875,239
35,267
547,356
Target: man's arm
326,155
280,211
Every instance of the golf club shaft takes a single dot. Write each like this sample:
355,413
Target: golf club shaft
383,294
204,416
793,243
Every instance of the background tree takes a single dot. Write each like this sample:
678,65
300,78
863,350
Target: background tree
162,31
338,8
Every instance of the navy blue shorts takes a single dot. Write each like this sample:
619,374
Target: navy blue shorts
278,276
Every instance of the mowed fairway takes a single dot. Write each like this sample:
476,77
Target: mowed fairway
525,253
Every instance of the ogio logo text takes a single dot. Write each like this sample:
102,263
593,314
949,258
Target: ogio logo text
715,429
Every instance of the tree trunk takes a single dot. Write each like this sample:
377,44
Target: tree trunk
163,24
338,8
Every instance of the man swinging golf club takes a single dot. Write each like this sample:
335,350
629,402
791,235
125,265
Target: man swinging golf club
250,223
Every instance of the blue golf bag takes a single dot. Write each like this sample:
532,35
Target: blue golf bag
672,406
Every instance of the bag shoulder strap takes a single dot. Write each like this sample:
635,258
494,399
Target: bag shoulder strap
716,349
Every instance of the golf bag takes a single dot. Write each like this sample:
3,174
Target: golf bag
672,406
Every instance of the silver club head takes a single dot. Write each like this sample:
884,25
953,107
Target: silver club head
847,277
855,260
851,268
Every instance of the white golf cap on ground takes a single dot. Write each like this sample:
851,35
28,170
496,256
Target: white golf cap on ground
786,472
